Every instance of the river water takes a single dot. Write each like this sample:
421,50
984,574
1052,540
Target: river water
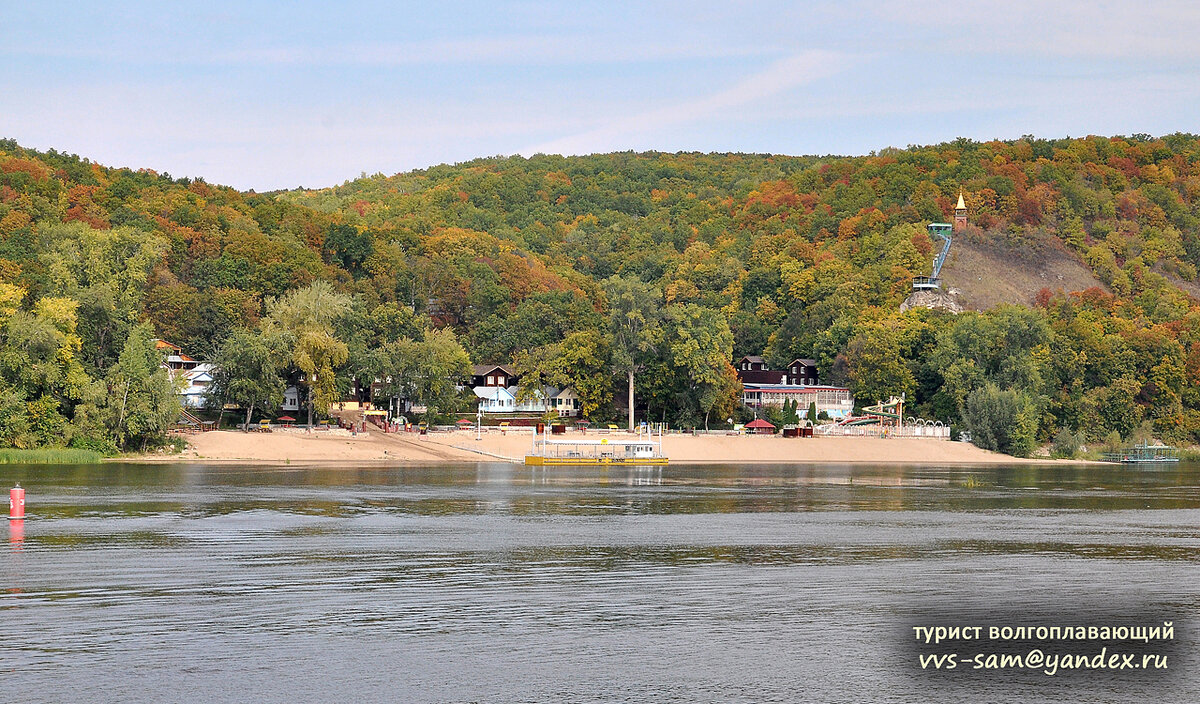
500,583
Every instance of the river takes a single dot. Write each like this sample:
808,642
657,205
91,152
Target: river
500,583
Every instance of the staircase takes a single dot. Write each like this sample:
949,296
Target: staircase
201,425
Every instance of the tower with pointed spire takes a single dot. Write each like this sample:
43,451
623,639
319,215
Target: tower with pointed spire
960,213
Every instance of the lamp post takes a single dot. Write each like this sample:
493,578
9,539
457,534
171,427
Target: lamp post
479,424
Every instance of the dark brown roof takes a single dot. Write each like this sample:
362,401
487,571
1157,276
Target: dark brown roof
760,376
483,369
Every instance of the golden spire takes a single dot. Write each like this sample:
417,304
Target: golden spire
961,205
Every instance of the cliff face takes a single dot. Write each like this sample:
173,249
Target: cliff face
935,300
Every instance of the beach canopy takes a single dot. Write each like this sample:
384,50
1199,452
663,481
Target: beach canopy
287,418
464,421
760,423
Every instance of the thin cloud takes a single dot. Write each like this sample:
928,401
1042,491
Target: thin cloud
1066,28
511,50
778,78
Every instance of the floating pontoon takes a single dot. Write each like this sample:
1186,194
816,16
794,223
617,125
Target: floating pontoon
642,449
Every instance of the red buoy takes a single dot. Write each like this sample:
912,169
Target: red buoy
16,503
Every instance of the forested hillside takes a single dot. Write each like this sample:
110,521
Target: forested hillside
582,270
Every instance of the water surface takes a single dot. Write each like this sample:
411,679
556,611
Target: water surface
500,583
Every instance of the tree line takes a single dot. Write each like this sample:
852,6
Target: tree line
634,278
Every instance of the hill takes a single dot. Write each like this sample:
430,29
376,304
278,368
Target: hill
987,273
1096,240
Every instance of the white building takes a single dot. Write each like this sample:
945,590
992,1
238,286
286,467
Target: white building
496,399
196,382
566,403
499,399
834,401
291,398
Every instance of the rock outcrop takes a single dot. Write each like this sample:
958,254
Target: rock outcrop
935,300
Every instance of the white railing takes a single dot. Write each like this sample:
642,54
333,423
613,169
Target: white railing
912,428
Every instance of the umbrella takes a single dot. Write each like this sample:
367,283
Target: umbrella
464,421
287,418
583,424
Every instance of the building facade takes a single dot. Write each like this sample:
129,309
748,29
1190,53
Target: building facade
196,382
834,401
753,369
493,375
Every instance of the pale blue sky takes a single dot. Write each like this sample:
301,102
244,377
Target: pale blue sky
277,95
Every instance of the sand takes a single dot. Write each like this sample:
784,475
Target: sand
336,447
326,447
772,449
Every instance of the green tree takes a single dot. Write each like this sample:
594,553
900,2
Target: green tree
307,317
701,345
348,245
581,362
142,401
248,372
1003,420
636,322
440,365
878,369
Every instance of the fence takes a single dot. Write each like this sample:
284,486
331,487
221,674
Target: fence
916,428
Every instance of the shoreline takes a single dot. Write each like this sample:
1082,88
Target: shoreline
334,448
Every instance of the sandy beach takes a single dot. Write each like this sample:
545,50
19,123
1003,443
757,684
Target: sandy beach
771,449
333,447
326,447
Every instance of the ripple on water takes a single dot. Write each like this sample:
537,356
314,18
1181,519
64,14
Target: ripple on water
481,584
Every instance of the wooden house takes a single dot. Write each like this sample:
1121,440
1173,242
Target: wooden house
753,369
491,375
802,372
565,403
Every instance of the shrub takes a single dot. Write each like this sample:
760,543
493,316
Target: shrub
1003,420
1066,444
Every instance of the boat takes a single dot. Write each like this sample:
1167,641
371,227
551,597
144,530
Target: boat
1144,453
643,449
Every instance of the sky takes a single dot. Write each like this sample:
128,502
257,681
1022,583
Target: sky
267,96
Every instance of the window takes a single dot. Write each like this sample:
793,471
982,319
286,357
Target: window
500,381
491,380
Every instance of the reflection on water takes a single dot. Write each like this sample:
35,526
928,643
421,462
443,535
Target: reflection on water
502,583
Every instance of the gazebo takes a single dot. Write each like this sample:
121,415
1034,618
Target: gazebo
760,426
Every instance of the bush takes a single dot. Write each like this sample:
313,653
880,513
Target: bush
1066,444
1003,420
103,446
